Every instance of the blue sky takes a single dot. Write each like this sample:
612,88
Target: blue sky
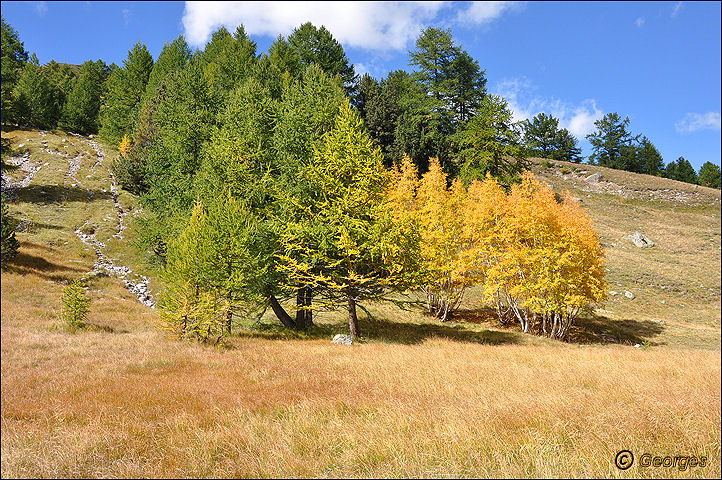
656,62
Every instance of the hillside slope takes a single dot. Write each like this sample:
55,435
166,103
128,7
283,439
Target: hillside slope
416,398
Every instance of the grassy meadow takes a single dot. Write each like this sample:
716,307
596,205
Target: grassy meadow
414,398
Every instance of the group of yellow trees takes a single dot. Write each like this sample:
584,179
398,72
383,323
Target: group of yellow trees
539,261
353,231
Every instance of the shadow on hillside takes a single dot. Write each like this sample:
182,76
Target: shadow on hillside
59,193
28,226
25,264
598,329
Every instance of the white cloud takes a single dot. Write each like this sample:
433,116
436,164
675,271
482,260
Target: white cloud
639,22
581,122
41,8
379,26
512,89
371,25
519,93
698,121
126,16
675,10
485,12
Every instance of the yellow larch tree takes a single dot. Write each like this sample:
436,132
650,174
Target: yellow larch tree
550,267
440,223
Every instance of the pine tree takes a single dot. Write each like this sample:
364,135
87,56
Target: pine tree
35,97
227,60
378,104
172,58
9,243
63,77
681,170
649,159
467,85
310,45
490,142
613,145
82,106
434,55
181,128
540,135
709,175
13,60
305,113
566,147
125,91
545,139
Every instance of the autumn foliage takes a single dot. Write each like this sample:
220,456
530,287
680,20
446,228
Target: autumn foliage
124,146
539,261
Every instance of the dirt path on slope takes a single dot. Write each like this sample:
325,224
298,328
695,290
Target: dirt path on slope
104,265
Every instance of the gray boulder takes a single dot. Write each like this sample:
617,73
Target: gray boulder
593,178
629,294
640,240
342,339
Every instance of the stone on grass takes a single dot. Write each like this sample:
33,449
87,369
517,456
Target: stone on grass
640,240
629,294
342,339
593,178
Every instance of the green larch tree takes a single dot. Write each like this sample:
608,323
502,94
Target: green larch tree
343,240
125,91
490,142
82,105
14,58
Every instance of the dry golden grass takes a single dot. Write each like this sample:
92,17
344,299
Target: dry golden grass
416,399
134,403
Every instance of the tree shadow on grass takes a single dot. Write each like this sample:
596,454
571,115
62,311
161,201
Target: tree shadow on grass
408,333
58,194
382,331
26,264
586,330
28,226
276,331
598,329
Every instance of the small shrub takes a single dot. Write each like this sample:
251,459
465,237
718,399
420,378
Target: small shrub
9,246
547,164
565,171
76,305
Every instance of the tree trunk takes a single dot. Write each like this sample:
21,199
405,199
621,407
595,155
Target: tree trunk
309,301
229,319
284,317
352,320
304,316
